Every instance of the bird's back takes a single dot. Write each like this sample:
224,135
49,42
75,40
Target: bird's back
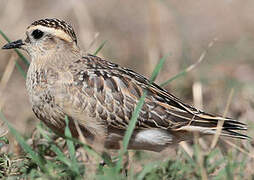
116,91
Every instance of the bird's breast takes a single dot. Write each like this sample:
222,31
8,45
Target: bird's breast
38,84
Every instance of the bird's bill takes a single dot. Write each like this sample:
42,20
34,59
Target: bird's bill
14,44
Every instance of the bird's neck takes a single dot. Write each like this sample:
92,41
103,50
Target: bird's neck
44,69
56,59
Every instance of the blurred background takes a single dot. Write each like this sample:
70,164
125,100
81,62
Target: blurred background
137,35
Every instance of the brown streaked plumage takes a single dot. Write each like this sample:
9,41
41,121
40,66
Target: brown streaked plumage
101,95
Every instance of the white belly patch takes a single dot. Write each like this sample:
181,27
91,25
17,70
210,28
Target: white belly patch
154,136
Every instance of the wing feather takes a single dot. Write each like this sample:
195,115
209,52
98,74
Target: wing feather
117,91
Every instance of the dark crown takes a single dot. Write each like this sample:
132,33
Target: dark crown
57,24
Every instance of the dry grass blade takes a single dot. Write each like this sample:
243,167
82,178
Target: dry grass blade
239,148
197,95
83,140
186,148
220,123
3,83
3,129
6,76
95,37
81,136
135,114
198,102
16,50
200,157
7,73
188,69
34,155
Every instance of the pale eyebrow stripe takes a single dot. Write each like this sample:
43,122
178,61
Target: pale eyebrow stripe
56,32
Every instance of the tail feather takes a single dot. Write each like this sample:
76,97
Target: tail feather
230,127
234,134
190,119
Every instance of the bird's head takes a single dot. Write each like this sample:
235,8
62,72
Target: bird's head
46,36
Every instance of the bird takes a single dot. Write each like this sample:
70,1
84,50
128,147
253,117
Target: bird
101,96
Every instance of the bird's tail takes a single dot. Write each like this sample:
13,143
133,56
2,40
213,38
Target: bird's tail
208,124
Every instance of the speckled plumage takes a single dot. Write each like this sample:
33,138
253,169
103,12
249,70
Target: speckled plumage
56,24
101,96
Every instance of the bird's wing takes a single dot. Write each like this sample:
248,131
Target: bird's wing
111,93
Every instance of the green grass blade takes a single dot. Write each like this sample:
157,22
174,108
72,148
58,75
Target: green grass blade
148,168
86,147
70,143
133,121
34,156
16,50
22,72
192,66
71,147
130,130
158,68
99,48
60,155
174,77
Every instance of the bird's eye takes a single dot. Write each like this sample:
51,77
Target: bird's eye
37,34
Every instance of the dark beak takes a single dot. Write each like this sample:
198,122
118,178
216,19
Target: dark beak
15,44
